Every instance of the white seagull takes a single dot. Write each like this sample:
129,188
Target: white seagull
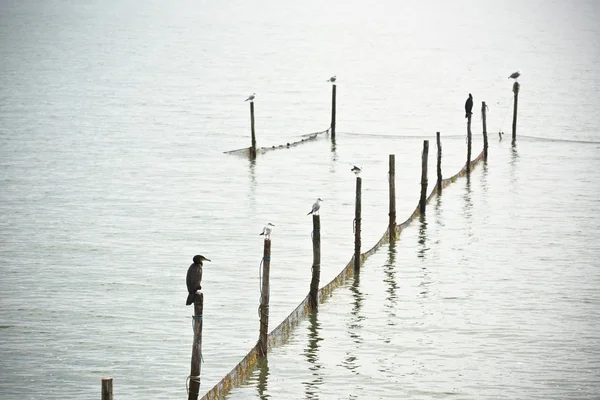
316,207
332,79
515,75
356,170
267,231
251,97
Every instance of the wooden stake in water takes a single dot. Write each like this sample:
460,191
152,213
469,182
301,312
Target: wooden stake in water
194,379
485,138
107,388
469,144
439,161
392,182
316,267
264,299
516,88
333,101
253,148
424,155
357,220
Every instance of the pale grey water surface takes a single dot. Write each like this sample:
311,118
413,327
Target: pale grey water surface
114,117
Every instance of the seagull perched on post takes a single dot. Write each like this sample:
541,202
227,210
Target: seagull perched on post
515,75
332,79
251,97
267,231
356,170
469,106
316,207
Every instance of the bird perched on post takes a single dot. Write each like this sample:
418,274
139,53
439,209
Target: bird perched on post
251,97
316,207
332,79
194,278
515,75
356,170
267,231
469,106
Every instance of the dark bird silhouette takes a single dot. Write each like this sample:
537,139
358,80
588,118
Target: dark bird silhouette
469,106
194,278
515,75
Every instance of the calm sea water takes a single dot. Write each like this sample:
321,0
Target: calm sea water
114,117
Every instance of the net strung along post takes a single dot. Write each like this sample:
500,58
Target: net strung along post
194,378
439,161
516,88
392,183
424,155
253,147
264,299
107,388
357,220
316,267
485,138
333,101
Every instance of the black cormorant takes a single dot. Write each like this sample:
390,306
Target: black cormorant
469,106
194,278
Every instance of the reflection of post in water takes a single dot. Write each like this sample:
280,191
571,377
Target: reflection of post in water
263,378
356,321
252,183
390,280
514,160
312,356
422,236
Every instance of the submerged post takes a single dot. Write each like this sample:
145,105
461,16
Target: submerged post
194,388
469,144
425,154
439,161
253,148
357,224
516,88
392,213
316,267
485,142
107,388
264,299
333,100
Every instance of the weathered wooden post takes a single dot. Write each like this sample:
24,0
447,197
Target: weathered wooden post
516,88
485,142
253,148
194,388
333,97
357,224
264,299
392,183
469,144
439,161
107,388
316,267
425,154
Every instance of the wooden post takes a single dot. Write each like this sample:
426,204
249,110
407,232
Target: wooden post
333,97
392,183
425,154
107,388
485,142
439,161
253,148
469,144
316,267
194,388
357,224
516,88
264,299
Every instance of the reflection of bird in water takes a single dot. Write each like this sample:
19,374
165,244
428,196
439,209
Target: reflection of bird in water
332,79
500,133
469,106
267,231
316,207
251,97
356,170
194,278
515,75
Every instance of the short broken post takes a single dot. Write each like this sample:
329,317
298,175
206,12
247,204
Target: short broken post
333,101
264,299
424,155
392,183
316,267
357,218
469,144
439,162
107,388
516,88
485,138
194,378
253,148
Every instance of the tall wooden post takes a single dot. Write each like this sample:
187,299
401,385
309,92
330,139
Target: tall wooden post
439,161
264,299
516,88
469,144
316,267
392,183
107,388
194,388
333,101
485,141
357,220
425,154
253,148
